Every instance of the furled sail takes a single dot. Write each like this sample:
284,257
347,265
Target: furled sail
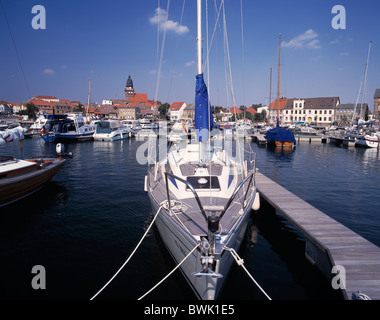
204,121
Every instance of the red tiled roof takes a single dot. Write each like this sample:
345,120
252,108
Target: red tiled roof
234,109
139,98
251,110
176,106
46,97
274,104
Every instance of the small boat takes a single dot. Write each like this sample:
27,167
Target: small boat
134,125
66,128
202,197
244,130
20,178
305,130
148,124
280,137
367,141
3,125
111,130
178,132
36,127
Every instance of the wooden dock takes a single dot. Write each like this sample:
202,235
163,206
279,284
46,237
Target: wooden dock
328,243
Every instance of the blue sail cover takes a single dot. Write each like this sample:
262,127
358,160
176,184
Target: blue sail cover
204,121
280,134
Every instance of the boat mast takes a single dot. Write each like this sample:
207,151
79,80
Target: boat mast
270,94
278,80
365,79
89,98
199,36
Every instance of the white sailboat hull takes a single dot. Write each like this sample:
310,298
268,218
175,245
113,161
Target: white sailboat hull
179,243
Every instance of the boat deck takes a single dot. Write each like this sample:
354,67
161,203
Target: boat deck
187,211
328,243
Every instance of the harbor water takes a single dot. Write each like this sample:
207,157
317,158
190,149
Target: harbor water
83,225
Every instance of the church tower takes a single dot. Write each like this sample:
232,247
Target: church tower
129,91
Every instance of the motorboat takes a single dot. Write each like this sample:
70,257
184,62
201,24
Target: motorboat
66,128
367,141
148,124
111,130
134,125
20,178
36,127
202,197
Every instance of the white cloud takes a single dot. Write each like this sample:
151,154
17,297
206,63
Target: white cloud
334,41
344,53
189,63
314,44
161,18
48,71
306,39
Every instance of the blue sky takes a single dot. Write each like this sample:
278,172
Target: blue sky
105,41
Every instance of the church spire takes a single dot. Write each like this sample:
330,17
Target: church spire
129,91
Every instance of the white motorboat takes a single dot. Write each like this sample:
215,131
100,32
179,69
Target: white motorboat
367,141
134,125
111,130
36,127
148,124
66,128
202,197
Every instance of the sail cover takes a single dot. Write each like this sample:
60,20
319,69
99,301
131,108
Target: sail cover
204,121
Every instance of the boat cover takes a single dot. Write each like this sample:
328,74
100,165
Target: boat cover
280,134
13,134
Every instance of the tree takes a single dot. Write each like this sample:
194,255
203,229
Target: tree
79,108
163,110
30,111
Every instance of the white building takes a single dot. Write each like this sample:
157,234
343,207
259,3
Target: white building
176,110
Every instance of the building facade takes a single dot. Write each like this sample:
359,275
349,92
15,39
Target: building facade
346,112
176,110
376,105
317,111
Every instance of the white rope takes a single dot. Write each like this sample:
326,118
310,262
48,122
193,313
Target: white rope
129,258
240,262
163,279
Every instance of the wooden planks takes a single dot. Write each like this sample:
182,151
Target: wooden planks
359,257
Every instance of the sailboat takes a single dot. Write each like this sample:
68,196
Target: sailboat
279,136
363,139
202,197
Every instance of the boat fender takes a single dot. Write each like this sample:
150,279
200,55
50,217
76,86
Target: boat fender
43,131
146,184
256,202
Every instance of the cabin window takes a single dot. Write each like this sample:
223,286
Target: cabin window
209,182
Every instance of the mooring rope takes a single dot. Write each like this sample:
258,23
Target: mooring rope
129,258
240,262
164,278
